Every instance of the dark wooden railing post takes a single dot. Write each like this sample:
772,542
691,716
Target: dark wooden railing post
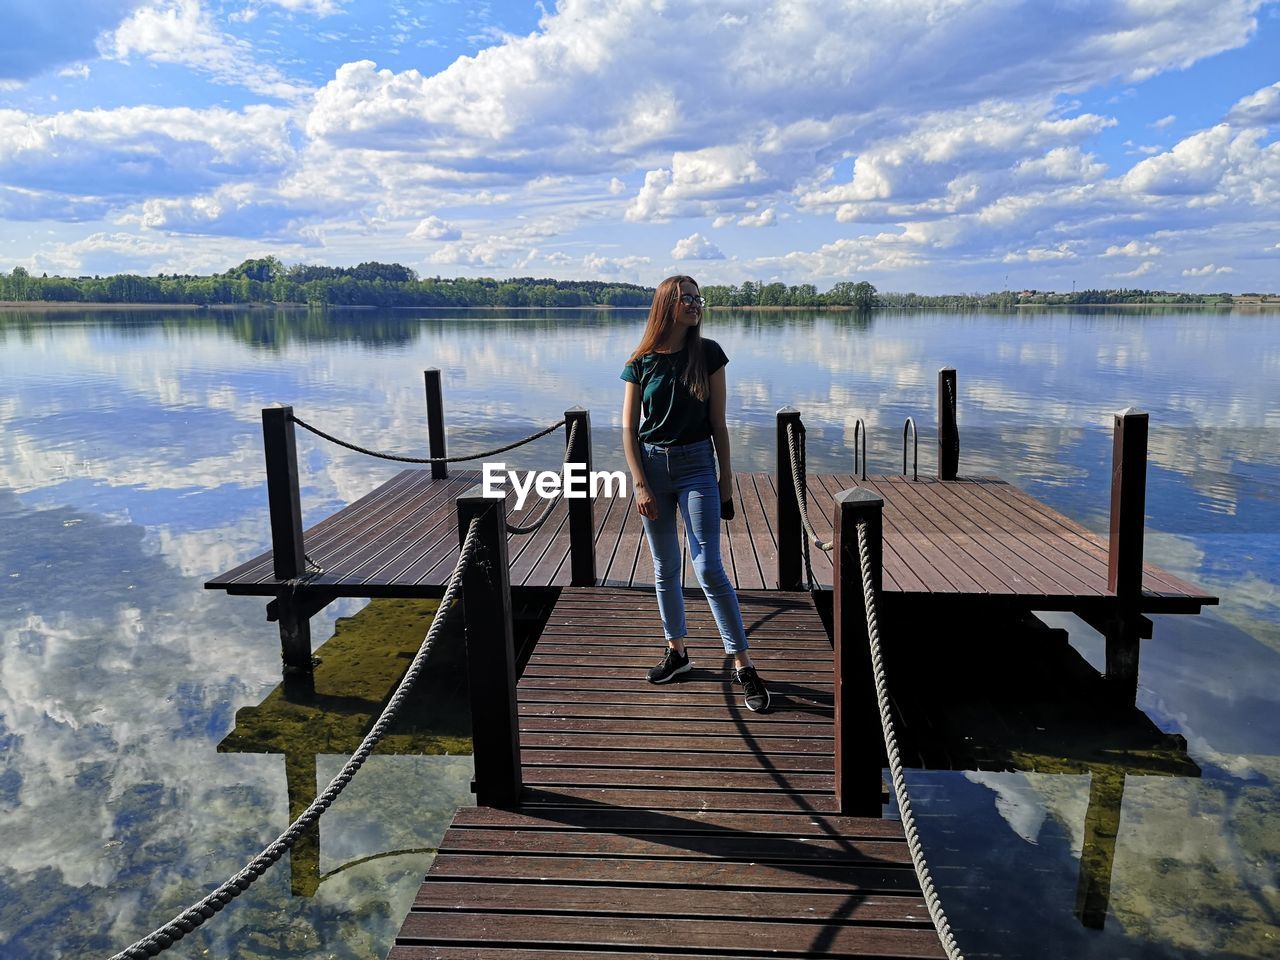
859,746
288,557
435,423
790,559
948,430
582,518
1124,553
491,662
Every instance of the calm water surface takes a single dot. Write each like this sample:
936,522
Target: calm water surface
131,471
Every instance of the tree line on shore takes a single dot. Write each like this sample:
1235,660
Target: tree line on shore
267,280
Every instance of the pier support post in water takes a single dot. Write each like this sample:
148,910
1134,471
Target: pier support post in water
491,661
948,430
1097,858
582,520
790,560
859,746
288,558
435,423
1124,552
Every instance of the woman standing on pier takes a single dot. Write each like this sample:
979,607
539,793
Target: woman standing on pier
674,434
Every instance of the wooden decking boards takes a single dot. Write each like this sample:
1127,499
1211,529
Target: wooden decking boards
975,539
669,820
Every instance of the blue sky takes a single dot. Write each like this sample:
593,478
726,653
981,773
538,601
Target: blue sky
920,144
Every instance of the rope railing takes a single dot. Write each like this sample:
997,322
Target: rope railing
799,480
188,920
546,511
402,459
932,901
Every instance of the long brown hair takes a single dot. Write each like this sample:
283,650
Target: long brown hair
662,318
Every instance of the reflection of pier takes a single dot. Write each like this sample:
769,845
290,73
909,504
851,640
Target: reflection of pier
1031,703
328,711
605,812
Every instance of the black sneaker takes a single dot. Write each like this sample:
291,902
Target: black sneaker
671,665
754,692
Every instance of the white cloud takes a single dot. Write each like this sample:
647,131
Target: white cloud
765,218
181,32
696,247
596,85
952,160
1207,270
697,181
236,210
850,257
80,70
1163,122
1134,248
616,186
1145,149
84,161
1194,165
1141,270
119,251
1061,164
1041,254
499,251
319,8
433,228
599,266
1261,107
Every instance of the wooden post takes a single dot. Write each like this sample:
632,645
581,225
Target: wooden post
859,744
948,431
491,666
289,560
582,518
790,559
435,423
1124,551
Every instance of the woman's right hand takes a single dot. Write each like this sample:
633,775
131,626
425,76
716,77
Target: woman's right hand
646,505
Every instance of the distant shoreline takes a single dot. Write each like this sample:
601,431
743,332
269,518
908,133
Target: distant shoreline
70,306
101,305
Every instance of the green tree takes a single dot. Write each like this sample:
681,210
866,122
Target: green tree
262,269
864,296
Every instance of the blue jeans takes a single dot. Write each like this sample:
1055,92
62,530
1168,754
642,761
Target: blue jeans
685,477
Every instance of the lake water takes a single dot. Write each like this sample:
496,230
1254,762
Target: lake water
131,471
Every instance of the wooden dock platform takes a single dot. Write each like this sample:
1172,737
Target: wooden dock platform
671,820
973,540
623,820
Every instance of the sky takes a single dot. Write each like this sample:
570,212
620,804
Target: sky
923,145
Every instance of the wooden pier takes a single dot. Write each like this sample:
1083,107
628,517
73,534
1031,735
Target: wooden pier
670,819
617,818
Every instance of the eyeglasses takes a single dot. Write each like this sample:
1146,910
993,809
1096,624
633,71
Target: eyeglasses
693,300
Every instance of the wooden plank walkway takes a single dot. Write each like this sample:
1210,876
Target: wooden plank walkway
670,821
976,539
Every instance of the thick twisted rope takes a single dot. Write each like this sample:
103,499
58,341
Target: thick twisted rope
799,480
546,511
399,459
931,899
188,920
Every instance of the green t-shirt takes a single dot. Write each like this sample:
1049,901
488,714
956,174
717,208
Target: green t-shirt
669,414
